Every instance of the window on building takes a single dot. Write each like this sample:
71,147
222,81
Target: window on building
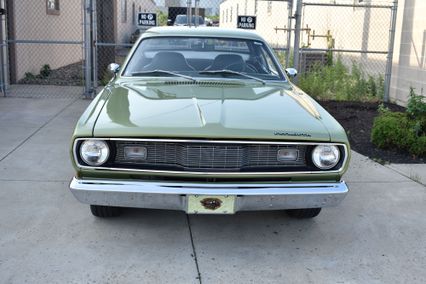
123,9
52,7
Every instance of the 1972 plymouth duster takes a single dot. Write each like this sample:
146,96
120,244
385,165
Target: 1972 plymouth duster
205,120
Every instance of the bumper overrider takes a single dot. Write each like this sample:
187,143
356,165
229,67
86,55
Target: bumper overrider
182,195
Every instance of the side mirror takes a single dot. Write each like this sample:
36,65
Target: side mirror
169,22
291,72
113,68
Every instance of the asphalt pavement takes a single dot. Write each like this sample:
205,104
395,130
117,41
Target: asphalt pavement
377,235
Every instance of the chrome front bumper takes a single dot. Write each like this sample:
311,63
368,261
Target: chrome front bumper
174,195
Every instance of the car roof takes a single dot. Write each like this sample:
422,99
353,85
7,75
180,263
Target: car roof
201,32
185,15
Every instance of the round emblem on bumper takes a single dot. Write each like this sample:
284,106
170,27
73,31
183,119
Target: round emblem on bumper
211,203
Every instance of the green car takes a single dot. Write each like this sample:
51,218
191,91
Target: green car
206,121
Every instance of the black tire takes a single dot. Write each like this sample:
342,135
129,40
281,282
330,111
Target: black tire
303,213
105,211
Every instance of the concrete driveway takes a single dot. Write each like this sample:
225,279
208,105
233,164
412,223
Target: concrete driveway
377,235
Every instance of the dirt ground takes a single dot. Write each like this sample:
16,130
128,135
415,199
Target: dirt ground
69,75
357,118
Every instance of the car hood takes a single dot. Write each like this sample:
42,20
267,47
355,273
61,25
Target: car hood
179,109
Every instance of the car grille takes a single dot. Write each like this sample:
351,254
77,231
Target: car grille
218,157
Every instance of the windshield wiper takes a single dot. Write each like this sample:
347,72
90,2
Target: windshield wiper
230,72
161,72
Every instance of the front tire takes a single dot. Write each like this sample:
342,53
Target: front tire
105,211
303,213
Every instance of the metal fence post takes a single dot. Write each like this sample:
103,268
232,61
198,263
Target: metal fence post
189,12
196,5
297,28
290,18
87,42
389,58
94,45
3,49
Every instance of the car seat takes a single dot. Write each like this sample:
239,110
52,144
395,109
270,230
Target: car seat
169,61
231,62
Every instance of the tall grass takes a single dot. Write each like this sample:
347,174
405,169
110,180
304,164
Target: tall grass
336,82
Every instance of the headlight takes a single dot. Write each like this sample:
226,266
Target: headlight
94,152
325,156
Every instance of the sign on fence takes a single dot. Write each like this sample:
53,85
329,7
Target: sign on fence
246,22
147,19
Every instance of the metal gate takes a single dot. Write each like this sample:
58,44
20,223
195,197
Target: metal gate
42,45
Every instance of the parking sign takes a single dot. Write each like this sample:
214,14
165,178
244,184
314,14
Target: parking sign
246,22
147,19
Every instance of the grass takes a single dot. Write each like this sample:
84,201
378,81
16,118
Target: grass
336,81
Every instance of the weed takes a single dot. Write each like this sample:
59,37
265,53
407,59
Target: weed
416,106
380,161
45,71
29,76
334,81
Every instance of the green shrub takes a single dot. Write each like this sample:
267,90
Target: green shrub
418,148
162,18
404,131
382,108
393,130
416,109
45,71
416,106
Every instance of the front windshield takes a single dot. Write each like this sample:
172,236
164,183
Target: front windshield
196,56
183,20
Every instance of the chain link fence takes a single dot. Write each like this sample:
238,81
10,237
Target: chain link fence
45,42
355,34
353,31
117,25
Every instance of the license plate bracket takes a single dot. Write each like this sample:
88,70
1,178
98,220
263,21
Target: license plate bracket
211,204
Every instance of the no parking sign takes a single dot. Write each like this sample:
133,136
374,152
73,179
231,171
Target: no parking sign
246,22
147,19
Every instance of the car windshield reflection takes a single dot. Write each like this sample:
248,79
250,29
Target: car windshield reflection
199,57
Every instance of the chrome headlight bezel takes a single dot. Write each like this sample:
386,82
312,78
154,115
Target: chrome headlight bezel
320,161
99,146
